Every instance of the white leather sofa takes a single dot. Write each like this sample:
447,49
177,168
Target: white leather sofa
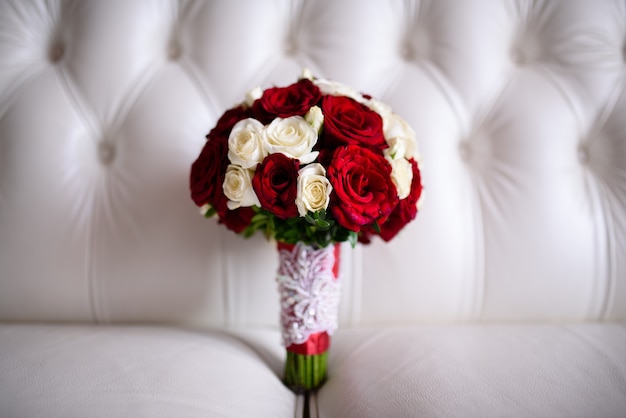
506,297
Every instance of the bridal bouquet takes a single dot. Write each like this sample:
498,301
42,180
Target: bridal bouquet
309,165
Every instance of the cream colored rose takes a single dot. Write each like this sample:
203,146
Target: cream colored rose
383,109
306,74
315,118
399,135
291,136
313,189
238,187
333,88
397,148
401,175
253,95
245,143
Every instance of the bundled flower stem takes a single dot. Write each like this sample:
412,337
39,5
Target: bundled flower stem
305,372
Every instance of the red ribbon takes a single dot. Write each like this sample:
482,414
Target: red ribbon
316,344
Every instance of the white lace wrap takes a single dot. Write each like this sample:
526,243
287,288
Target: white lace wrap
309,292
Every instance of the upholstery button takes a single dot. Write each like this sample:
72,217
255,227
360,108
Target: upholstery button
465,150
407,52
291,48
56,52
106,152
583,154
174,51
518,56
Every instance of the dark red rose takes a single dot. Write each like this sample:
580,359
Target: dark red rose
406,210
226,122
283,102
207,171
275,184
237,220
348,122
363,192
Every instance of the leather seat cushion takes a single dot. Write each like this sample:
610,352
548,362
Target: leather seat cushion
140,371
574,370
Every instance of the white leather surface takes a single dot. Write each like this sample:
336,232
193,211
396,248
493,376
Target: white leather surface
518,108
134,371
574,370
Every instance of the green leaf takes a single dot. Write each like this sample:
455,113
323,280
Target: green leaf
309,219
353,237
210,212
249,231
258,217
376,227
322,224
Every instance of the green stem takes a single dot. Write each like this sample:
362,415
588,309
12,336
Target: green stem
304,373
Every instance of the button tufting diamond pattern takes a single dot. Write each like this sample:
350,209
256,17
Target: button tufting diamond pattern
510,219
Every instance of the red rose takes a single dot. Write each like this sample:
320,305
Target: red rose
283,102
226,122
406,210
237,220
363,192
275,184
207,172
348,122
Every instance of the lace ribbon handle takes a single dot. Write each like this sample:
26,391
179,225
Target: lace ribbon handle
309,292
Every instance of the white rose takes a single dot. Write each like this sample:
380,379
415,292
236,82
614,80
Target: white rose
383,109
315,118
401,175
332,88
253,95
293,137
238,187
400,135
313,189
306,74
397,148
245,144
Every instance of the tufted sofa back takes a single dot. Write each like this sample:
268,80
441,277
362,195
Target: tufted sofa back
519,109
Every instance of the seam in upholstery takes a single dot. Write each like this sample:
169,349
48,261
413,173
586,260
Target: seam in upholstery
445,88
88,120
558,87
608,217
611,257
356,286
226,283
